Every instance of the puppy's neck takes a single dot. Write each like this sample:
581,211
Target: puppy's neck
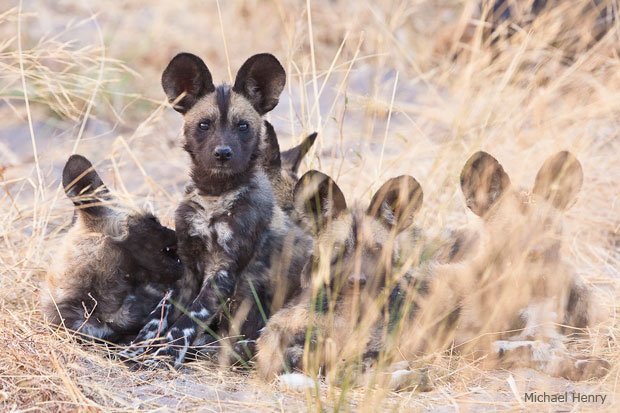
215,184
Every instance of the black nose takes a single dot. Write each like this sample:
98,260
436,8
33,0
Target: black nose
357,278
223,153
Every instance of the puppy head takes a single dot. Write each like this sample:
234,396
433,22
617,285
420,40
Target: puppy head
147,248
355,248
223,125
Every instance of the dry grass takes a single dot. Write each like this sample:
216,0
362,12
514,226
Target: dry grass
379,83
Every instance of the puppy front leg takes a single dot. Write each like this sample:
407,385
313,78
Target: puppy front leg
157,323
207,305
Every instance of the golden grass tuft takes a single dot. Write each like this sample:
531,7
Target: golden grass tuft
391,90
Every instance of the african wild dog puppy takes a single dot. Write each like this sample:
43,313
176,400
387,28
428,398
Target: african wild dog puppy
339,315
234,240
114,266
508,295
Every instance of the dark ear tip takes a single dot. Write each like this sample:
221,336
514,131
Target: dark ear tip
481,155
77,159
563,158
314,172
410,180
266,60
306,144
309,141
267,57
407,182
477,157
182,61
75,166
310,176
322,183
566,156
572,160
292,157
179,60
185,56
478,161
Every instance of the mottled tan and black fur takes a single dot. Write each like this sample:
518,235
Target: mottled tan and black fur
234,239
114,265
339,317
510,295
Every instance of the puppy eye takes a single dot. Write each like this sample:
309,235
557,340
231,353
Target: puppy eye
243,126
170,251
204,124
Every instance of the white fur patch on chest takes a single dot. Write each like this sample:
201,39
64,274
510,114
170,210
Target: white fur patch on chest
203,221
224,235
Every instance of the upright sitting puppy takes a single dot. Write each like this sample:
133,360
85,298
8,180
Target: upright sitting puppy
234,240
114,266
339,319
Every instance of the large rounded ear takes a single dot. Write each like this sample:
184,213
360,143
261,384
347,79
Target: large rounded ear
559,179
483,181
396,202
261,80
84,186
318,199
291,158
186,74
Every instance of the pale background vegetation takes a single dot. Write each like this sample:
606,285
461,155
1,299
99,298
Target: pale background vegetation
380,83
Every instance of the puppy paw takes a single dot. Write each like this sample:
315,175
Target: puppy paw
590,368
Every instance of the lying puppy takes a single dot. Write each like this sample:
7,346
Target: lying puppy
339,320
114,265
510,296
